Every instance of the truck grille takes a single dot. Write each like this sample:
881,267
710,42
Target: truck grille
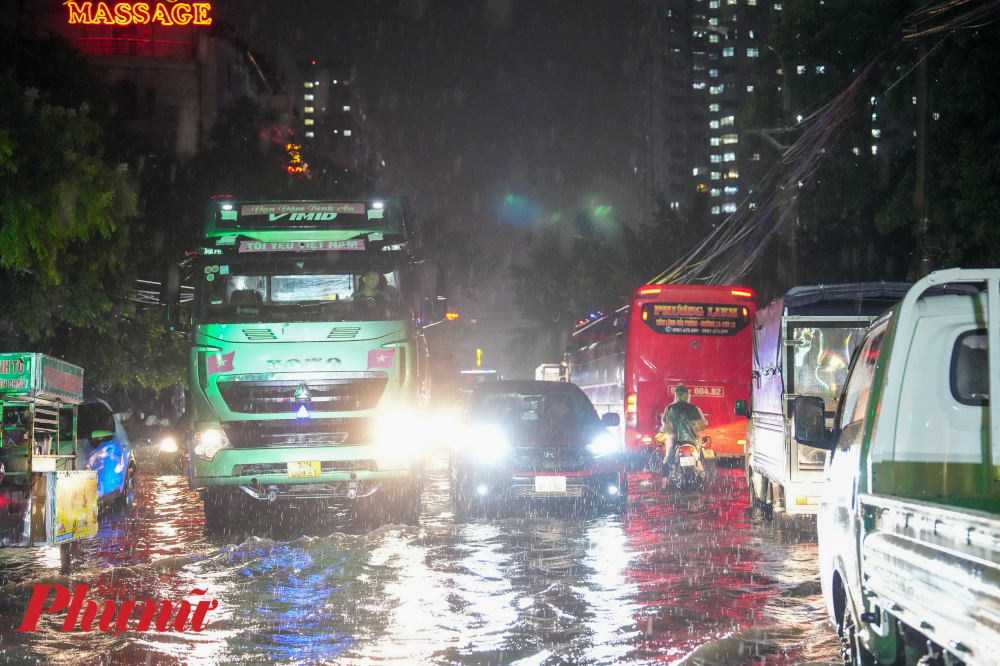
292,433
327,467
319,391
550,459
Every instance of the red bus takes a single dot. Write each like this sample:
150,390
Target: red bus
630,361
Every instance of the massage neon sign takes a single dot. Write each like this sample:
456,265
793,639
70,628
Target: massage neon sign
139,13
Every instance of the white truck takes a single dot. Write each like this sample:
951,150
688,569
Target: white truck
909,519
802,345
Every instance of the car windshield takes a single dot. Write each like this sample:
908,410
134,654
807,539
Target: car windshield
545,409
328,286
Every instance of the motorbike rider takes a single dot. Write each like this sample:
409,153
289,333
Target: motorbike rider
681,423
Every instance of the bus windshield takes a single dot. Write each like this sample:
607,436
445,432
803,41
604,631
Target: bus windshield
334,286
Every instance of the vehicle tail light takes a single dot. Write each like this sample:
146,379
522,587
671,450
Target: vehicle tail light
647,440
631,418
686,450
650,291
741,293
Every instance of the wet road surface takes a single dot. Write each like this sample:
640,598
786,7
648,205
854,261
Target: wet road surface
682,576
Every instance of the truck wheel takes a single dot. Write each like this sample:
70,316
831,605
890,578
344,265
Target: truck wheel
851,651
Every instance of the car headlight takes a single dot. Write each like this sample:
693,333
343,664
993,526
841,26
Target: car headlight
209,442
168,445
604,444
486,443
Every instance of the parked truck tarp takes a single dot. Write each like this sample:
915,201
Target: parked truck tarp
802,346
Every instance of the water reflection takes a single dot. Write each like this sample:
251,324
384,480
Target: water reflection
681,576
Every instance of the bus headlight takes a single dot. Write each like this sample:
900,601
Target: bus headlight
604,444
209,442
486,443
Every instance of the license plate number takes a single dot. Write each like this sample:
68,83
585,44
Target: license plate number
303,470
550,484
687,462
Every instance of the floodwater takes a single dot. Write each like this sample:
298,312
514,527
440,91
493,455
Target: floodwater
681,577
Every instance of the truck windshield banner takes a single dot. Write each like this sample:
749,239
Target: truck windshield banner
304,209
301,246
695,318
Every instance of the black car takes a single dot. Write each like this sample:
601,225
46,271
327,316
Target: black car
536,440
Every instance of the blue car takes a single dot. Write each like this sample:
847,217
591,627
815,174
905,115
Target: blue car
102,446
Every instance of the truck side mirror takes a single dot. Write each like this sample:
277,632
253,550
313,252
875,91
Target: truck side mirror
170,297
611,419
741,408
810,423
433,310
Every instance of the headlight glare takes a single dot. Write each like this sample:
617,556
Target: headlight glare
209,442
604,444
487,443
168,445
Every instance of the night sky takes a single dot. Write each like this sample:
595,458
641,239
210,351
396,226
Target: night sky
478,101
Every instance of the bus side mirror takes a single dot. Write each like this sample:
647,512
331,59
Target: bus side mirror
170,297
810,423
741,408
611,419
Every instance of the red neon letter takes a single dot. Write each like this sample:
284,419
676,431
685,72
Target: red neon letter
103,15
78,13
181,13
123,13
140,12
38,600
201,10
162,14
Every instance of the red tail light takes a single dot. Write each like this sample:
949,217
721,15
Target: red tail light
686,450
741,293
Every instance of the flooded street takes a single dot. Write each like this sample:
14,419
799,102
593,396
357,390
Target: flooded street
681,576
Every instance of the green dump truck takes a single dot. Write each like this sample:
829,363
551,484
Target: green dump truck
44,500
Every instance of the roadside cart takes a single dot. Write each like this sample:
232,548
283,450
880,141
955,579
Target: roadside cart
44,499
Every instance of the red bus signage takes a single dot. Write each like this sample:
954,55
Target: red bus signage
695,318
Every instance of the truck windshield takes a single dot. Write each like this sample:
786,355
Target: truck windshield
821,358
329,286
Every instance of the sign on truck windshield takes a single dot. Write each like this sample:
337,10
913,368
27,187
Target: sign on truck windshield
695,318
302,215
268,288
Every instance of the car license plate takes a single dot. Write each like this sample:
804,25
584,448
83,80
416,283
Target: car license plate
687,462
303,470
550,484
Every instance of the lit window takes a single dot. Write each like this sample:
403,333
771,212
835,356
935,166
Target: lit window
335,82
316,83
877,133
800,69
347,108
729,208
777,6
729,157
698,67
699,85
310,135
675,205
309,97
873,117
713,21
309,121
914,99
714,108
716,90
715,141
713,72
731,190
730,138
716,210
752,3
728,52
733,173
347,132
936,116
308,84
821,69
755,157
753,52
713,124
715,159
716,192
798,119
856,150
752,206
695,171
336,131
728,120
713,4
751,34
874,150
308,109
749,88
714,39
730,2
715,175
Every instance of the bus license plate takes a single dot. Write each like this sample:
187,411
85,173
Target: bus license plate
303,470
550,484
687,462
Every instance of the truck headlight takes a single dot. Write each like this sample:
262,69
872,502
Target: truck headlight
401,434
604,444
486,443
209,442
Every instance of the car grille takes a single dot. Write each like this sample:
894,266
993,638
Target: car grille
293,433
550,459
286,393
530,492
327,467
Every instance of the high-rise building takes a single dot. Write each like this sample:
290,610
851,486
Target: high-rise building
697,57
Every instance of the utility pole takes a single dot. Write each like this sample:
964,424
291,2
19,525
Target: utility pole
920,204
